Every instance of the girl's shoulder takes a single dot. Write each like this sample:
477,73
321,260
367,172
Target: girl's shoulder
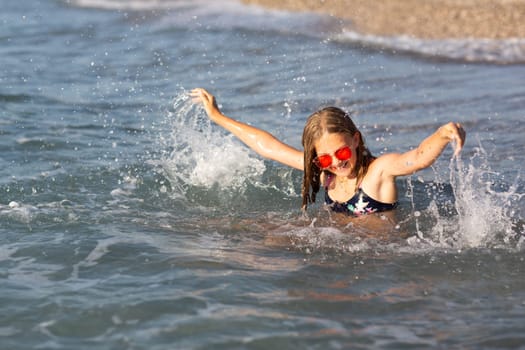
378,183
376,168
383,161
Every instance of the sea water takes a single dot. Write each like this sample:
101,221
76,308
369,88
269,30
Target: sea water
129,221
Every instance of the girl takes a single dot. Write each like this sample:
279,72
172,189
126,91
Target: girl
336,158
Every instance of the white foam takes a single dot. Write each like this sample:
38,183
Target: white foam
23,213
510,50
131,4
29,214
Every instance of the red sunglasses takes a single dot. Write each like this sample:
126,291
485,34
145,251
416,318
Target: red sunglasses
323,161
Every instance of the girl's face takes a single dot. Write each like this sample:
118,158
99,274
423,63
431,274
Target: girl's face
330,143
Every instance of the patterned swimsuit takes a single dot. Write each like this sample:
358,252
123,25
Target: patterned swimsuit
359,204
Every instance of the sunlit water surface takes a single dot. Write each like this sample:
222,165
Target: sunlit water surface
128,221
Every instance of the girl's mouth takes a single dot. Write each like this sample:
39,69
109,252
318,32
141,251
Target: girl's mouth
341,166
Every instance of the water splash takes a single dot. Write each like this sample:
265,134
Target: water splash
483,213
196,154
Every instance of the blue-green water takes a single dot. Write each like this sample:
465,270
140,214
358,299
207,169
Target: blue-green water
128,221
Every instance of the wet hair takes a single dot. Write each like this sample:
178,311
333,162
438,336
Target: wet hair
328,120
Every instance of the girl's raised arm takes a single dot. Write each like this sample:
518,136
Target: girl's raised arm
262,142
426,153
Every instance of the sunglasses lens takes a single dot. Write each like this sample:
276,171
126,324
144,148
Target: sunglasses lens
344,153
324,161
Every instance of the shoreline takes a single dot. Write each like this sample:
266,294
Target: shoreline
425,19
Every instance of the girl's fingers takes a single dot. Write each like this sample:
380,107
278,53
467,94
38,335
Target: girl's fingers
459,138
201,94
197,95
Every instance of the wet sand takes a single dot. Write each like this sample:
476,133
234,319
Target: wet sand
430,19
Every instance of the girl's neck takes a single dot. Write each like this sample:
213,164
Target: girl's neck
342,188
349,182
350,177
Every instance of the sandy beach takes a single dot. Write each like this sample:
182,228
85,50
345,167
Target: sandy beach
430,19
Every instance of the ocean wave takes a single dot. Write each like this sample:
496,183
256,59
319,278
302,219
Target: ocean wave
503,51
130,4
233,14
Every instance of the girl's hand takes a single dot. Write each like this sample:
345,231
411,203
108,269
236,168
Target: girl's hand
262,142
454,132
208,101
